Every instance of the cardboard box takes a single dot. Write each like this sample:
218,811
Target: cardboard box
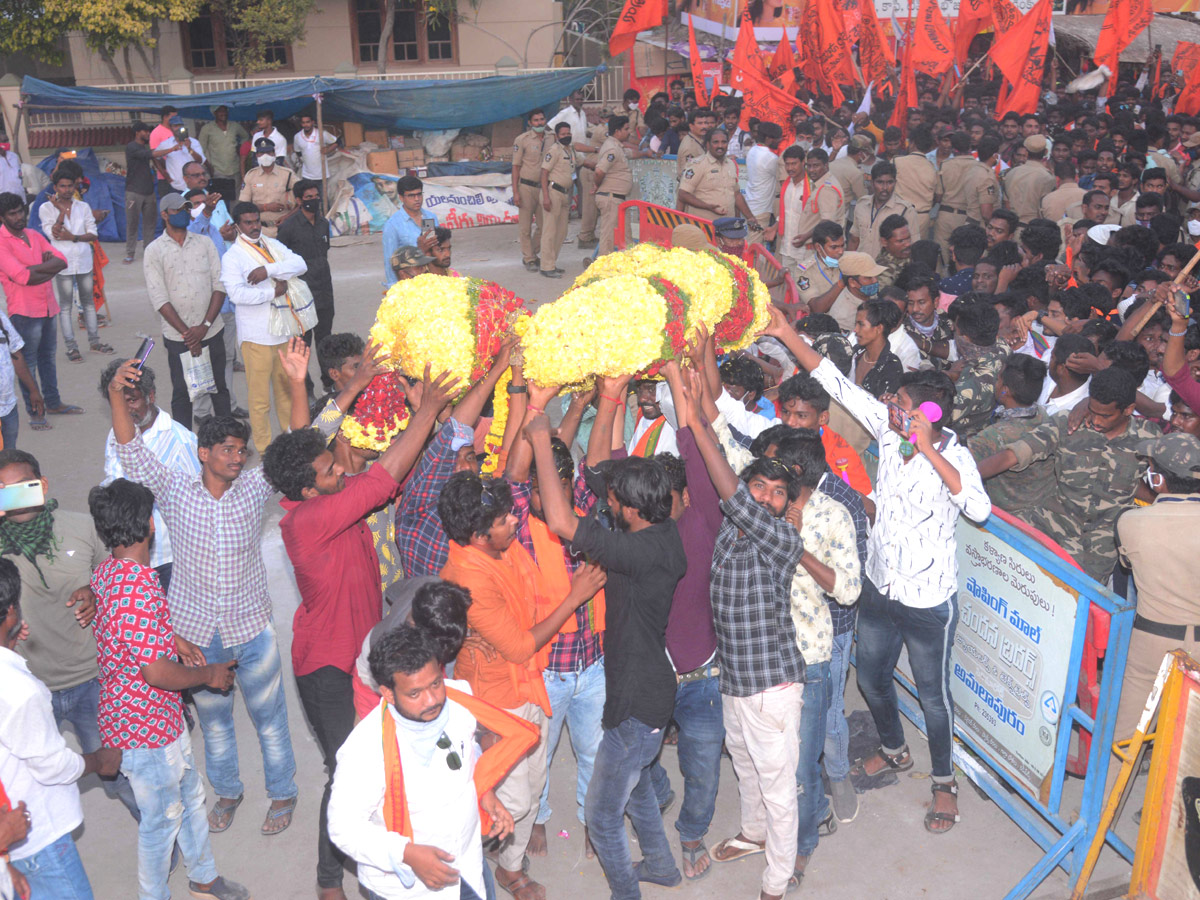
383,162
411,157
504,134
353,133
376,136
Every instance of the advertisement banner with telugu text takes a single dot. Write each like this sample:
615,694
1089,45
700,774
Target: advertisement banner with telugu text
455,206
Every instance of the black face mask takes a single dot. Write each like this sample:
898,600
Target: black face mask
312,206
565,141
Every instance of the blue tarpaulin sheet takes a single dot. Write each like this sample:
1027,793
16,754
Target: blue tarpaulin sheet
396,104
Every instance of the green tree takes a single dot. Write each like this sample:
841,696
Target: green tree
254,26
434,10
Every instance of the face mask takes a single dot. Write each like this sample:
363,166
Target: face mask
631,106
829,262
266,160
565,141
539,128
312,206
5,147
180,218
1153,479
1193,227
869,290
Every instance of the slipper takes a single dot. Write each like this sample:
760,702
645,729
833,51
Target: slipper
736,848
127,260
221,817
65,409
273,814
40,424
520,883
692,855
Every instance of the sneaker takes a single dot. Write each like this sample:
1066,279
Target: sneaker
844,800
239,413
220,889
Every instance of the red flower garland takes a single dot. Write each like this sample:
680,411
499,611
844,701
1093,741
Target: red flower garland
492,310
732,328
381,405
674,340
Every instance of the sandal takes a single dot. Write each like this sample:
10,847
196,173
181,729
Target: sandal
100,347
901,762
828,825
692,855
74,355
284,812
942,787
736,847
65,409
518,885
220,817
40,424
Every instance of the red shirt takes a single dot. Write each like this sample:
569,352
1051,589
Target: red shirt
36,301
133,629
337,570
844,462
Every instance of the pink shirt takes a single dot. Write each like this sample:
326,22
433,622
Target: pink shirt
35,301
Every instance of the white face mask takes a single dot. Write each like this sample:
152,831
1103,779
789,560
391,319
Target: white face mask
631,106
1193,227
266,160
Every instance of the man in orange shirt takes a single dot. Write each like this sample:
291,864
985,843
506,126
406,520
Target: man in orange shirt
512,611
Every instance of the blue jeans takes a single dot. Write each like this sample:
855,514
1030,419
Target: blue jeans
701,736
577,699
621,784
837,733
10,427
260,676
170,794
56,872
465,891
80,705
41,342
64,291
813,807
884,626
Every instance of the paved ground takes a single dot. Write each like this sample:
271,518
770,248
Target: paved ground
885,853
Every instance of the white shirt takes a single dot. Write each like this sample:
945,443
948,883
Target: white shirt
577,119
79,220
442,805
10,174
311,152
8,375
901,343
912,551
36,765
1053,406
1155,387
276,138
252,302
175,448
762,181
178,158
742,420
666,438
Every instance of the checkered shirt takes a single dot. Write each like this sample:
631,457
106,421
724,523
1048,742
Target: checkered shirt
219,579
755,557
420,536
832,486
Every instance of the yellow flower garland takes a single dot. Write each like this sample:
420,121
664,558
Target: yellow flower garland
426,320
495,435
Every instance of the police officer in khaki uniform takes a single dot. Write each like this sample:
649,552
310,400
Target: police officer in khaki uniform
700,122
557,174
526,183
917,178
709,187
614,180
597,134
853,171
967,188
1028,183
269,187
872,211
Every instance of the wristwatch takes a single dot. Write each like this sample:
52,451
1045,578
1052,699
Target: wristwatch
517,389
207,323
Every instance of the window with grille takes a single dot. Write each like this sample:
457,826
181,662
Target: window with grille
413,39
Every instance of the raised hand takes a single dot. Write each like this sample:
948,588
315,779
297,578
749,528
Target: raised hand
294,359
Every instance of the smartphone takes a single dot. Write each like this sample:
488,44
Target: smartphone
899,419
22,495
1183,303
144,352
428,224
182,131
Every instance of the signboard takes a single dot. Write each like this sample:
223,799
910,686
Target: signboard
1012,648
455,206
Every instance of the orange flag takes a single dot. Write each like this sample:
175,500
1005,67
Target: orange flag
906,99
765,102
874,52
852,18
973,17
697,65
1187,60
933,45
746,55
827,48
1124,21
637,15
1021,55
1004,16
783,60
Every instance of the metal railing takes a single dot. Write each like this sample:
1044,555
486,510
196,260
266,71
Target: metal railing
75,118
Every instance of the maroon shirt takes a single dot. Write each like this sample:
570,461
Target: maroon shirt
337,570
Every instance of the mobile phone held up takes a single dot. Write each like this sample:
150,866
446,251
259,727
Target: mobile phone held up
144,352
22,495
899,419
1183,303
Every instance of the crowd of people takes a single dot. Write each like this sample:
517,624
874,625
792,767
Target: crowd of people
1002,308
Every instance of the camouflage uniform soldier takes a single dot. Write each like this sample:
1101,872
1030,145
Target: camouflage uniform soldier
1015,492
975,398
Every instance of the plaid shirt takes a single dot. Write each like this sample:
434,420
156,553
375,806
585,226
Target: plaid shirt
571,651
753,563
219,580
832,486
424,547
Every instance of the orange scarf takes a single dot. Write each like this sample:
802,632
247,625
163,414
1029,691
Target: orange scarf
648,442
517,736
548,549
517,577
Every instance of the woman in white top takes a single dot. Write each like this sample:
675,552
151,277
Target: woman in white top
71,229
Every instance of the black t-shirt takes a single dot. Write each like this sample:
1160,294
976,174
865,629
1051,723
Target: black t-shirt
643,569
139,173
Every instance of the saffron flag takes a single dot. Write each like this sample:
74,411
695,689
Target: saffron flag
763,101
783,60
1021,55
875,55
1004,16
973,17
637,15
1124,21
1187,60
906,98
827,48
746,55
933,46
852,18
697,65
